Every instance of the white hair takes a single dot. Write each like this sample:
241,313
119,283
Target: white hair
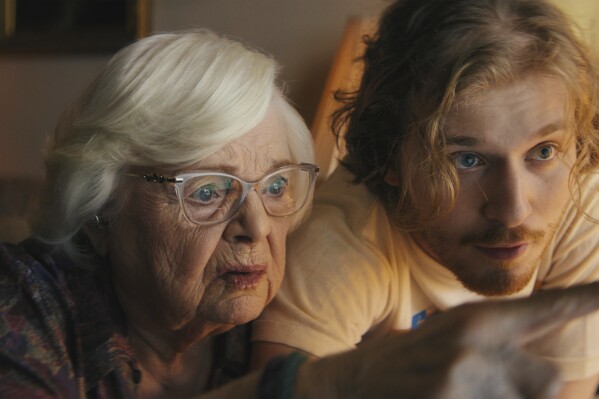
168,100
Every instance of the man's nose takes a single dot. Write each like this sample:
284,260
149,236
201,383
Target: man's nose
508,197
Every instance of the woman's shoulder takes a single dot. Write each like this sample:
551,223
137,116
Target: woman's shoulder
56,322
33,289
28,269
34,312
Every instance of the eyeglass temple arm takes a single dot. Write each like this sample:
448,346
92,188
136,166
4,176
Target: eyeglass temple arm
156,178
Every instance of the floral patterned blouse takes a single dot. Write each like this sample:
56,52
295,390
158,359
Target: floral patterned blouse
63,334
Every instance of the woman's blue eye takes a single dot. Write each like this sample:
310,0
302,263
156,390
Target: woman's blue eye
466,160
204,194
276,186
211,192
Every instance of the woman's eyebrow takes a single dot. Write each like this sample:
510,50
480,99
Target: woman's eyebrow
227,168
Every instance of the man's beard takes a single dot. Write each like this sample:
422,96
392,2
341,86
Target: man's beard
504,277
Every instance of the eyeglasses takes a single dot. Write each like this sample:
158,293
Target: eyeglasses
209,197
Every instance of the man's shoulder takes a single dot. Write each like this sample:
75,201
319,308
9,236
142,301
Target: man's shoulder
590,188
340,201
584,204
347,227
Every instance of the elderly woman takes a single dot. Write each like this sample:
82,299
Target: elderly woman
171,187
170,190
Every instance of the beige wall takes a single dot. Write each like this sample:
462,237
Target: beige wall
301,34
33,93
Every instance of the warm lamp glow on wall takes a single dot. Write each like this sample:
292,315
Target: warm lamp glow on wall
8,18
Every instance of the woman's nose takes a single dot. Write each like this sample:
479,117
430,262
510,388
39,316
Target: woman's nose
251,223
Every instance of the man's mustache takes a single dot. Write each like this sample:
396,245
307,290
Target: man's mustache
502,235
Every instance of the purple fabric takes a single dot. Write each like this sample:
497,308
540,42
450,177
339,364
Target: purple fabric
63,334
60,333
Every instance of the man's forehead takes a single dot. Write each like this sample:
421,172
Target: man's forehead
475,93
536,105
466,140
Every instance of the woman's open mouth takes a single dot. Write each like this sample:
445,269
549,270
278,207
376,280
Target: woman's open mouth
243,276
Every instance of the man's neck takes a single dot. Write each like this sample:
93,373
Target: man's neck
423,246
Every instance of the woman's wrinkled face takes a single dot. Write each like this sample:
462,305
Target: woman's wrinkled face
172,274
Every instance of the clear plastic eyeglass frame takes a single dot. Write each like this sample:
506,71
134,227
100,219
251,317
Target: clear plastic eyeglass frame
293,199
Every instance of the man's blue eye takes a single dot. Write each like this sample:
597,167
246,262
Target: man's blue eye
543,153
466,160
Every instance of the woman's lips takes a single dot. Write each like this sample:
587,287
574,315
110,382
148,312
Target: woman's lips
504,252
243,276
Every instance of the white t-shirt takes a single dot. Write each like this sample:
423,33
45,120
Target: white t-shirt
351,275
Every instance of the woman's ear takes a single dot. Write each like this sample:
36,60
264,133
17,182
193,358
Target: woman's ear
97,231
391,179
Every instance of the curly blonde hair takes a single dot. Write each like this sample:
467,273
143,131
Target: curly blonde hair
425,57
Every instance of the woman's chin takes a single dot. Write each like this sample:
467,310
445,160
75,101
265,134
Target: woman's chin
240,309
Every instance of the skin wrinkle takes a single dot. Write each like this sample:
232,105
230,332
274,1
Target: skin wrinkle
166,270
248,151
167,277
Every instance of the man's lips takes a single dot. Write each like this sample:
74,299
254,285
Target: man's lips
503,252
243,276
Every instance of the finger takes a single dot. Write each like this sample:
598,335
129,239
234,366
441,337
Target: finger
526,319
510,373
531,376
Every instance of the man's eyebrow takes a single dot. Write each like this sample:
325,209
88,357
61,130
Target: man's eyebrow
551,128
469,141
466,141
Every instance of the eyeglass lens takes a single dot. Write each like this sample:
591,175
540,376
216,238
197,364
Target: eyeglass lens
213,198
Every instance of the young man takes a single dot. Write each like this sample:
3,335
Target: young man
471,174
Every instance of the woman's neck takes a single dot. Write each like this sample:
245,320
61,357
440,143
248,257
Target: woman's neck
169,371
